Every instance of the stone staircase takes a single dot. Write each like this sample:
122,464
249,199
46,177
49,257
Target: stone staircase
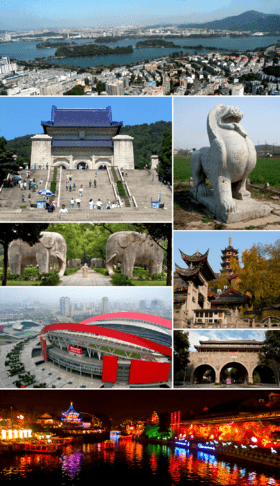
12,197
103,191
143,188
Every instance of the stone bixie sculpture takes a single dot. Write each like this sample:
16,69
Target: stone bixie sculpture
227,163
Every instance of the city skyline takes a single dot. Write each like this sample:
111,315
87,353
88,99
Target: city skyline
94,293
26,16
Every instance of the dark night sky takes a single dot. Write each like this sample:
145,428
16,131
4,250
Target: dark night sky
119,404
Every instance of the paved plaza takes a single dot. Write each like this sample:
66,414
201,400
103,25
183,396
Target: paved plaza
78,280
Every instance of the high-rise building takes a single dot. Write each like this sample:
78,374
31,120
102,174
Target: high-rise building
64,305
105,305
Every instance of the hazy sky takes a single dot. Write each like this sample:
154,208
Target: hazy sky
261,119
84,294
29,112
190,241
225,335
31,14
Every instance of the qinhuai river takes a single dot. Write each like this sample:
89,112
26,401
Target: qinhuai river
131,464
26,51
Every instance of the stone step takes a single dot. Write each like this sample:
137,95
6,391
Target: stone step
12,197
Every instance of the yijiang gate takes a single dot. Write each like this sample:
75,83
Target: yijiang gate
229,362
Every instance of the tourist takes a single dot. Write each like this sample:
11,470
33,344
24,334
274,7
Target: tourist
41,182
70,187
122,171
24,185
108,205
34,166
72,203
126,174
47,166
51,208
99,204
70,177
153,177
74,186
81,191
29,196
78,201
67,177
90,183
63,209
66,185
91,204
94,183
22,198
96,173
121,203
29,185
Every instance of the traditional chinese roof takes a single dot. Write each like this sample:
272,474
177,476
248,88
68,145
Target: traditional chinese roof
189,274
231,296
198,260
64,117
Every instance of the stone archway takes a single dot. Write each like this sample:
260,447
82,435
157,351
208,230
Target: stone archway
82,161
204,373
240,376
265,374
100,162
64,163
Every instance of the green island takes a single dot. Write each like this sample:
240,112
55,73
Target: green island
89,50
44,45
155,43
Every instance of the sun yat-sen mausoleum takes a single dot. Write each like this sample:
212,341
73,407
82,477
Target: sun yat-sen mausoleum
87,138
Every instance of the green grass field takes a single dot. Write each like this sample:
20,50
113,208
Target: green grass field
266,170
182,168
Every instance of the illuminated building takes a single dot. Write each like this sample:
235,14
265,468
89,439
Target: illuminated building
71,417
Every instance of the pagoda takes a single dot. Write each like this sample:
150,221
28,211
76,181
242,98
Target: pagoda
71,417
227,254
191,285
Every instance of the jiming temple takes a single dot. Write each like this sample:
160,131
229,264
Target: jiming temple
87,138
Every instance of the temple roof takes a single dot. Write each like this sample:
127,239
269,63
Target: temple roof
196,257
231,341
230,248
64,117
82,143
188,274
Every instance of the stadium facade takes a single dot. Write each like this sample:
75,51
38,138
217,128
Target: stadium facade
128,348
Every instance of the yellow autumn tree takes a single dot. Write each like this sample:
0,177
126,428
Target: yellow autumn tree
259,273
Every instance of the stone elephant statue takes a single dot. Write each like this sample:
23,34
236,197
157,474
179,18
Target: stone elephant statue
50,248
133,248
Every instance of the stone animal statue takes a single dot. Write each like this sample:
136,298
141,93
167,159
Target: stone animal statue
50,248
228,161
133,248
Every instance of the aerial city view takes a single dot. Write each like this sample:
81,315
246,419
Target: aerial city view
139,242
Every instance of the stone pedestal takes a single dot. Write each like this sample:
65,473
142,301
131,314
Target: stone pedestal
247,208
123,152
41,150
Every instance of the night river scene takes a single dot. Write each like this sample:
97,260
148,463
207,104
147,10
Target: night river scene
140,437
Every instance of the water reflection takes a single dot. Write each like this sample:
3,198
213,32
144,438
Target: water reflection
130,461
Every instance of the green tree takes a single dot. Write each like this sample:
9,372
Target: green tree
159,232
181,354
30,233
164,168
270,353
76,91
8,165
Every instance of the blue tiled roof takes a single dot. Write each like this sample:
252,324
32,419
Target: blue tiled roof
81,118
82,143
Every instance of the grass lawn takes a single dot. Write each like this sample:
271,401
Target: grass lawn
153,283
266,170
17,283
182,168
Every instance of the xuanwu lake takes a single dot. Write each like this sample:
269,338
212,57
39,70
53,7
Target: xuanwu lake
26,51
132,463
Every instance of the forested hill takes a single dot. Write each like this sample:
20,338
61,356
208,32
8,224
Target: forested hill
147,140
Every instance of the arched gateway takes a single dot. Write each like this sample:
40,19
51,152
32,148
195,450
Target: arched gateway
84,138
232,361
